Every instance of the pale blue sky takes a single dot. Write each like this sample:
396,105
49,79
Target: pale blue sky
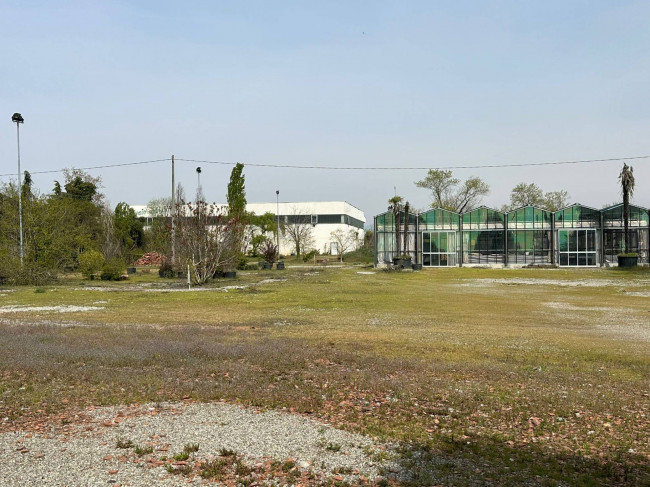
329,83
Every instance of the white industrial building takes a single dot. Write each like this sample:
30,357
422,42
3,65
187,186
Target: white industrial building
318,218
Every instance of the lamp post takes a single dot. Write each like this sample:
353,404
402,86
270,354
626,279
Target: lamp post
17,118
277,215
198,176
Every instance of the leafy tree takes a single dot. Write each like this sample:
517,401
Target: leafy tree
626,177
554,200
128,228
451,193
532,195
236,193
90,262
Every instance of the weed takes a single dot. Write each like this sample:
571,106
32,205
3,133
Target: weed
39,290
288,465
143,450
225,452
179,469
181,457
124,444
214,469
191,448
335,447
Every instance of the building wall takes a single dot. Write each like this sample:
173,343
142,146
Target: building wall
323,217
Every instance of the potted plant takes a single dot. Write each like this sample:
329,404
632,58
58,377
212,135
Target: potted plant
268,250
403,261
627,259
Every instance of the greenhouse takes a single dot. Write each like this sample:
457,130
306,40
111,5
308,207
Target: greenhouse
614,232
576,236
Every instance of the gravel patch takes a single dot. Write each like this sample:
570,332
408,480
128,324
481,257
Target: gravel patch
88,455
63,308
554,282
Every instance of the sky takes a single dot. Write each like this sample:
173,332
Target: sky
339,84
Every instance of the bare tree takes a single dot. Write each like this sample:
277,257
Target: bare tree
110,244
299,230
345,241
204,239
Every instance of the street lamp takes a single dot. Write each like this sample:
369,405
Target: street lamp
17,118
198,175
277,215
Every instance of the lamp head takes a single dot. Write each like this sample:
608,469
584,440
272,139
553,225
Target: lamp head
198,170
17,118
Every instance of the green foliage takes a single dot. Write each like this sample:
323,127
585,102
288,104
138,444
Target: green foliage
309,256
90,262
256,241
112,271
236,193
166,270
129,230
532,195
81,190
143,450
450,193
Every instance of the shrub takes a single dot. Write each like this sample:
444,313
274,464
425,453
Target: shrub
90,262
166,270
112,271
309,256
268,250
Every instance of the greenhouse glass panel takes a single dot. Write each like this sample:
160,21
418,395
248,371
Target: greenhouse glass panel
443,249
577,247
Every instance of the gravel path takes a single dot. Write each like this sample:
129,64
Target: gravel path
86,453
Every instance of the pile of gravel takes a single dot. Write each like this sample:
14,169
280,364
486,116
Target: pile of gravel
87,454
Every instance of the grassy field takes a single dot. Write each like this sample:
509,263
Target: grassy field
509,377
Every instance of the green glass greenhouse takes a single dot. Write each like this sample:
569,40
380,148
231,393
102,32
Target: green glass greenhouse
573,236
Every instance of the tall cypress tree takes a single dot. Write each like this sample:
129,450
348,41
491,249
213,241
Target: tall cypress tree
236,193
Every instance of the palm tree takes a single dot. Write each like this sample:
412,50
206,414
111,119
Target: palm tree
396,206
627,188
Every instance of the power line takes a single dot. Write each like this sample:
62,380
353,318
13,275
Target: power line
352,168
93,167
425,168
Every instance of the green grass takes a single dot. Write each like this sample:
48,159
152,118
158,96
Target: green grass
517,373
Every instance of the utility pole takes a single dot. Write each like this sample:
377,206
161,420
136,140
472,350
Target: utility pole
173,208
18,119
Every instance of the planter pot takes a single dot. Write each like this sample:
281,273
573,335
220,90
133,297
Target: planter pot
230,274
624,261
417,267
130,270
267,266
217,274
280,266
402,263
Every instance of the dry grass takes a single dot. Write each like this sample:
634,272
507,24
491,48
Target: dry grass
518,376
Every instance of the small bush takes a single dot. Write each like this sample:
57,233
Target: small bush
90,262
309,256
112,271
166,270
242,263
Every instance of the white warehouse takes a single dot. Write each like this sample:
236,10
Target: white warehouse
316,219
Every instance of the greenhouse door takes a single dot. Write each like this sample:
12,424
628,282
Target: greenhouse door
438,249
577,247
